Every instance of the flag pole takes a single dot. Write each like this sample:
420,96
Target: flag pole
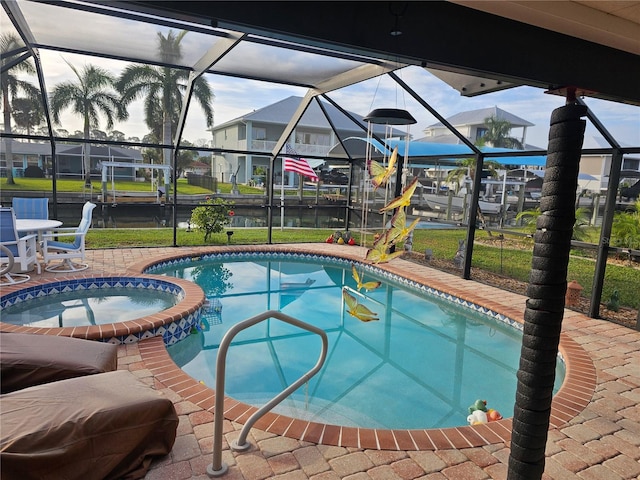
282,198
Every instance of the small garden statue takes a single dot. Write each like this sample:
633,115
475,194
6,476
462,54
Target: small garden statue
211,216
614,303
458,259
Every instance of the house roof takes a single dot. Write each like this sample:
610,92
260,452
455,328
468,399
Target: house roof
101,151
280,113
44,148
477,117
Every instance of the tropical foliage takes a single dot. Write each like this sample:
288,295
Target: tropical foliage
498,134
163,89
467,168
11,48
90,97
211,216
625,231
27,113
529,219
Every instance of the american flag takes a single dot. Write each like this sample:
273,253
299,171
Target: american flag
298,165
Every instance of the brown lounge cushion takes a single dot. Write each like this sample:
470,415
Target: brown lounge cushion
27,360
104,426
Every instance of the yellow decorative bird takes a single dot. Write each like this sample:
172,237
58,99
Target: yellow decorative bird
403,200
354,309
380,175
368,286
380,251
399,230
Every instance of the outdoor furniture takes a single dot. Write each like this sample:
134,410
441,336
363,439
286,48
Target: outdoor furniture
6,276
55,248
22,250
28,359
31,208
26,226
104,426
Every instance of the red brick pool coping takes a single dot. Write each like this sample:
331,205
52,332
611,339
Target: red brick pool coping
193,300
574,395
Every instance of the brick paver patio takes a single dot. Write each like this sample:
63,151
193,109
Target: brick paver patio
600,441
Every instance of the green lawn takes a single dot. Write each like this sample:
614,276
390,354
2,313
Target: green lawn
77,186
514,263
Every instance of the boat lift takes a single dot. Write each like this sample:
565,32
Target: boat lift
132,196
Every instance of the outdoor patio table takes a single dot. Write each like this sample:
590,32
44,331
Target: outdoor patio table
28,225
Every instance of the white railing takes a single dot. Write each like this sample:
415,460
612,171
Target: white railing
300,148
217,467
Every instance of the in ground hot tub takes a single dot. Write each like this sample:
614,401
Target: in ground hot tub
111,309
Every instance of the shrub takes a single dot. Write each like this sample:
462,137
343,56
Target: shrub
625,231
211,216
33,171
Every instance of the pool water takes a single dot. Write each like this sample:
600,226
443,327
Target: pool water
419,366
88,307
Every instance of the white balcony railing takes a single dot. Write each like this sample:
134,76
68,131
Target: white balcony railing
300,148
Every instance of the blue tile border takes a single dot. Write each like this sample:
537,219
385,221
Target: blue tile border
171,333
327,259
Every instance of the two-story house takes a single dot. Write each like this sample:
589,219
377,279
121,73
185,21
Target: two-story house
472,125
259,131
598,166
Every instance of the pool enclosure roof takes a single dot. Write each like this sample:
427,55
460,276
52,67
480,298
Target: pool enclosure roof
325,46
431,153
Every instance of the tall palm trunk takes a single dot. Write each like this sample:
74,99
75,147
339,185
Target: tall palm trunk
8,150
546,292
166,152
86,158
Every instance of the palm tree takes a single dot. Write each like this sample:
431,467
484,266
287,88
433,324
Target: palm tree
163,89
89,97
467,168
27,113
580,227
11,47
497,134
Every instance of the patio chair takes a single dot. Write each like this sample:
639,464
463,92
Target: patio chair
55,248
31,208
16,250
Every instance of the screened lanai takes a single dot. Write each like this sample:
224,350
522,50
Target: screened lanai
340,61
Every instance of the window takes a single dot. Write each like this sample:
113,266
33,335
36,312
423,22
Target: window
313,138
480,132
259,133
242,132
631,164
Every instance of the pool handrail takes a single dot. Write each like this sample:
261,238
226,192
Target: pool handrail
217,467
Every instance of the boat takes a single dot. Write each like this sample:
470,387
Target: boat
440,203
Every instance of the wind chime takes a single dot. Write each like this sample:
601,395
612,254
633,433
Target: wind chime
380,174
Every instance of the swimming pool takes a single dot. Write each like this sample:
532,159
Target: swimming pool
426,358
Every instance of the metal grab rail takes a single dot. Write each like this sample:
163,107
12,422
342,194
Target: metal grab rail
218,468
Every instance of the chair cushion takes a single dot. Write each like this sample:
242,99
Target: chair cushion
64,245
104,426
28,359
